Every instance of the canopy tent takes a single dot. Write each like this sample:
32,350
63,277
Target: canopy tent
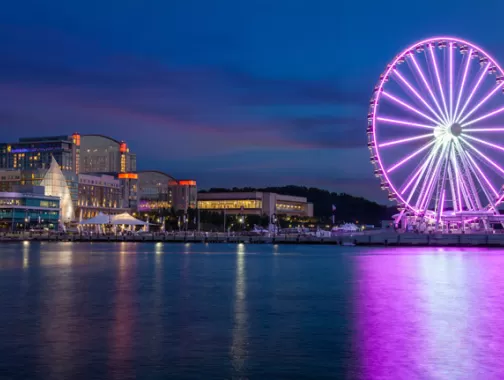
101,218
128,220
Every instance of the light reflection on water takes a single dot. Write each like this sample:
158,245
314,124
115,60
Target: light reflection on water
159,310
430,315
239,344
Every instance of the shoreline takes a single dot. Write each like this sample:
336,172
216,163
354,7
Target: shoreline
382,239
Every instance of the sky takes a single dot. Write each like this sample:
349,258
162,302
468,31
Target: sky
230,93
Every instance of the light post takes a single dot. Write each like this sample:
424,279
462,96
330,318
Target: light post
274,222
242,221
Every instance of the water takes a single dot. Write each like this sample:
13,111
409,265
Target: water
174,311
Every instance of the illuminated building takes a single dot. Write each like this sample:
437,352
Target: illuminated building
102,154
255,203
33,156
99,193
36,153
27,208
185,194
158,191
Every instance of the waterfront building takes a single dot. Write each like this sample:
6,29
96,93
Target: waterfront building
159,191
28,207
32,157
255,203
155,191
99,193
185,194
103,154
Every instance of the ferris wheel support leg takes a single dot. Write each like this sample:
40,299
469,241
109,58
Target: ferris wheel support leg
399,217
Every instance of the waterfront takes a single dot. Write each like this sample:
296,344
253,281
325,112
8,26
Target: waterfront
187,311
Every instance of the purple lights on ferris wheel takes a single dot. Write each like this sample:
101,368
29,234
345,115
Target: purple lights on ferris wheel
446,169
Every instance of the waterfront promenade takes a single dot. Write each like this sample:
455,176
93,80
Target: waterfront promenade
358,239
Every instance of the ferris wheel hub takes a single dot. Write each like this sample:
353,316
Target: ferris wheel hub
455,129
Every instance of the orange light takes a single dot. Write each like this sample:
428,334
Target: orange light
76,139
127,176
187,183
123,148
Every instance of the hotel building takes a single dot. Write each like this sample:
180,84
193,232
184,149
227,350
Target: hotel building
99,193
255,203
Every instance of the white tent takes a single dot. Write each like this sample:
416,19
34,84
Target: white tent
98,219
127,219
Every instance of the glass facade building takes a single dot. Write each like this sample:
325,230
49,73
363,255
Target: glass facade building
19,211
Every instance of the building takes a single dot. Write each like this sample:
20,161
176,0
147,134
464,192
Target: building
155,191
9,178
102,154
32,157
99,193
28,208
36,153
255,203
158,191
185,194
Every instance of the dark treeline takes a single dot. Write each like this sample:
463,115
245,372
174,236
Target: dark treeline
348,207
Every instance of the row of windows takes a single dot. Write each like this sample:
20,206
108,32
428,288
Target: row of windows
286,206
230,204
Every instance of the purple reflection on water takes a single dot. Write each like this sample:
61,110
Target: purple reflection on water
430,314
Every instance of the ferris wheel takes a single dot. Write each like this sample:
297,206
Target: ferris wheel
436,130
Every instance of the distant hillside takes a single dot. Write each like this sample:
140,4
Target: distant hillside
348,207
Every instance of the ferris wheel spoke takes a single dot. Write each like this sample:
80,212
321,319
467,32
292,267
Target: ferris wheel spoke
451,181
426,83
477,130
411,108
495,146
493,113
403,141
473,163
427,175
414,154
485,99
458,179
451,80
472,190
420,171
427,195
415,92
474,89
464,78
442,185
404,122
438,78
481,154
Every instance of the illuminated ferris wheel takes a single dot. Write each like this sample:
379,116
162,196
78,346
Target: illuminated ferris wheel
436,131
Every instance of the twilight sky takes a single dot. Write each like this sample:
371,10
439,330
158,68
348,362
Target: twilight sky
229,92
